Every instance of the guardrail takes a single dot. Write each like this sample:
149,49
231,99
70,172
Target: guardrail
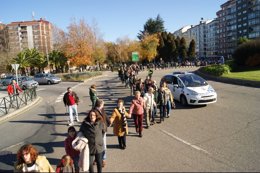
14,102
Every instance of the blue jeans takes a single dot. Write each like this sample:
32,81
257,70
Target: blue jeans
76,163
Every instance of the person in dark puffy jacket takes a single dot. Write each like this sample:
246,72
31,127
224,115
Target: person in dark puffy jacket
93,129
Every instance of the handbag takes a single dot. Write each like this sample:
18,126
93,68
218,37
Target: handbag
173,106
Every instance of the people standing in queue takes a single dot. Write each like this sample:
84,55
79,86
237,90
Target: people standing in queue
74,154
119,118
93,128
71,100
29,160
100,111
93,95
149,107
137,111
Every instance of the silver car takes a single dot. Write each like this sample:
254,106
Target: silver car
47,78
27,82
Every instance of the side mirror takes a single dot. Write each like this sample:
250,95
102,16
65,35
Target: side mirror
175,85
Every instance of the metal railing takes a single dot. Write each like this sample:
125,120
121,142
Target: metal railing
14,102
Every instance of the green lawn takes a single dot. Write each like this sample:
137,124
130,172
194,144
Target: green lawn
247,75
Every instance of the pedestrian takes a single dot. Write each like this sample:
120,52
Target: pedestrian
164,101
149,106
71,100
100,111
70,151
29,160
13,88
120,129
93,95
137,110
93,128
65,165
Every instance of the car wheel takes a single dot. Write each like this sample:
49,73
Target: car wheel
183,100
48,82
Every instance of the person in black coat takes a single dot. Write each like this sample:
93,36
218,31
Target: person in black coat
93,129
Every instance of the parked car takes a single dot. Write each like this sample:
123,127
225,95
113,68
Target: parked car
8,79
190,89
47,78
28,82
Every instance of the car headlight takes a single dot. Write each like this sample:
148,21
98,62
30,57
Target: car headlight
210,89
194,93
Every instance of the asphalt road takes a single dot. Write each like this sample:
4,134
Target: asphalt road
224,136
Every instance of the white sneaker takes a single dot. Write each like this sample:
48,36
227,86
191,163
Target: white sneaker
77,120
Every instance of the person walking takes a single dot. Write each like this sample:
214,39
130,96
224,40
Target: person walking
71,100
164,101
93,128
29,160
100,111
120,129
137,110
70,151
149,105
93,95
13,89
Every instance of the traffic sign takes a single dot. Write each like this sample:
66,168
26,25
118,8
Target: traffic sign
135,56
15,66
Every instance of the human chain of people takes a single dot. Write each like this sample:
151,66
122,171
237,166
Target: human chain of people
86,147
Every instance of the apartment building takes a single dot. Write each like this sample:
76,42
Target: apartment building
3,37
203,34
237,18
30,34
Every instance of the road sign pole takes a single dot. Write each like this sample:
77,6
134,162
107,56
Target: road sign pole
15,67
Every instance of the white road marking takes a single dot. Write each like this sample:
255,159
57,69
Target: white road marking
185,142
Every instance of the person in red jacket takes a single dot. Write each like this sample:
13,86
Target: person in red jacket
13,88
74,154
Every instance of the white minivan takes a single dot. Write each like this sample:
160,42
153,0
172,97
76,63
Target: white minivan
190,89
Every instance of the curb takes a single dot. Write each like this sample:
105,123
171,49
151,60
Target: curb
6,117
242,82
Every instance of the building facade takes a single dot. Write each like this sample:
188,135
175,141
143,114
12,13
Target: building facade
30,34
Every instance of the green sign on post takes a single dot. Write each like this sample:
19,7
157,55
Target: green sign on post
135,56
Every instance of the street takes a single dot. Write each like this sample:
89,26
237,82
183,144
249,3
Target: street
224,136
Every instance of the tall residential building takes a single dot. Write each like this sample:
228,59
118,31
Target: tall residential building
227,28
201,34
30,34
211,38
248,18
3,37
237,18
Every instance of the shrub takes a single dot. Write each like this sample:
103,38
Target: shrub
216,70
78,76
248,54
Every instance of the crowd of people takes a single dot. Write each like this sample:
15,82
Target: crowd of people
86,147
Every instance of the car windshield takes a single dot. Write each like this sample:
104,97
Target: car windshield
192,80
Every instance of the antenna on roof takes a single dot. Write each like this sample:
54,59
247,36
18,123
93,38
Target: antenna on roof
33,15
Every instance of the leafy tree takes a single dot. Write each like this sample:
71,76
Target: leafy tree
191,50
79,45
152,26
242,40
23,61
177,44
149,46
182,49
58,60
112,54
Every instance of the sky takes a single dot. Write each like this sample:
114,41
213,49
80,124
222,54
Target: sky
113,18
